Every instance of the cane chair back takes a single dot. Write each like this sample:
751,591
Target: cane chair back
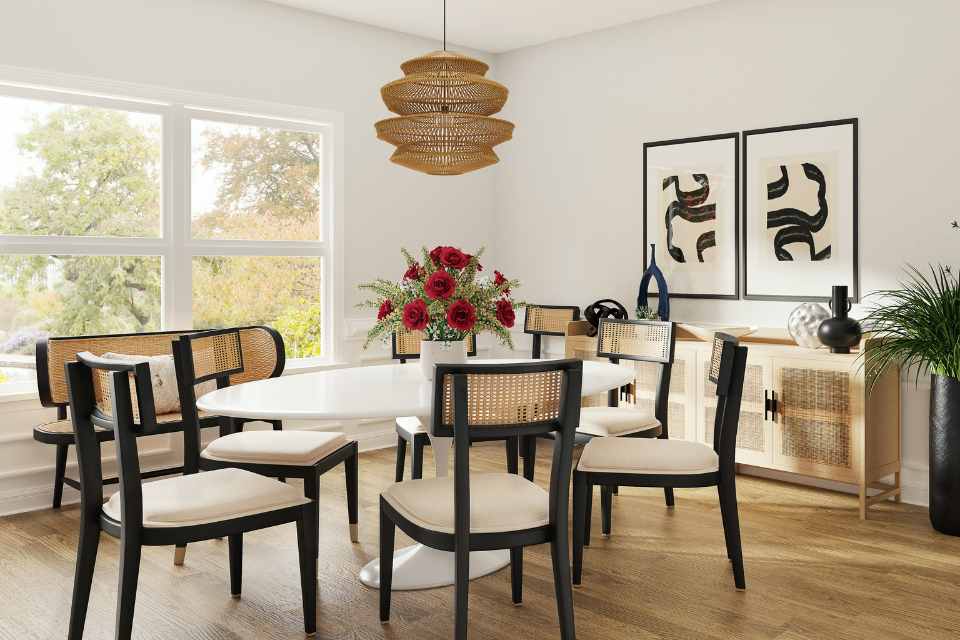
262,346
642,340
547,320
406,344
727,369
214,355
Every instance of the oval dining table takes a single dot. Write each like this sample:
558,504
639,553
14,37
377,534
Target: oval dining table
382,391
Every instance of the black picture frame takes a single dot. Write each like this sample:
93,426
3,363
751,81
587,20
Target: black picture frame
735,136
855,284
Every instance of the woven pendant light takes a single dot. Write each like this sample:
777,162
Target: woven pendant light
444,104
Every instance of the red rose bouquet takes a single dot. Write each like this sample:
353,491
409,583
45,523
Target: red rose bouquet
443,295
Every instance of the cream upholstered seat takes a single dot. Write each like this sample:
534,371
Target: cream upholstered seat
498,502
411,424
647,456
213,496
273,447
616,421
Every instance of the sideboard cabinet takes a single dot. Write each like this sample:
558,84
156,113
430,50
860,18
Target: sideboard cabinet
804,411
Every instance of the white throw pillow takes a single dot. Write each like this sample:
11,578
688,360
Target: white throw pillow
163,376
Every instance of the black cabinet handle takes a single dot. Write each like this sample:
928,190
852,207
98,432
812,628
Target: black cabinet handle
774,405
766,404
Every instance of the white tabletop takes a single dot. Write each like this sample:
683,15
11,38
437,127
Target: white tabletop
383,391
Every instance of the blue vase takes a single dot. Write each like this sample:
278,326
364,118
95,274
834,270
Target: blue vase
663,295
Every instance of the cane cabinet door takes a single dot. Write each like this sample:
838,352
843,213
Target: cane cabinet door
754,443
817,403
681,412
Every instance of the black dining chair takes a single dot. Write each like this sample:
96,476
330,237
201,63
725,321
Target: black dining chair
199,506
650,341
477,512
216,355
671,463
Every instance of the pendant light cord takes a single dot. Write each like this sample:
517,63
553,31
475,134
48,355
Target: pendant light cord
444,25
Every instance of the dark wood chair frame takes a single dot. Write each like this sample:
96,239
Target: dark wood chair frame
528,446
187,380
661,405
63,441
729,381
130,530
418,441
462,542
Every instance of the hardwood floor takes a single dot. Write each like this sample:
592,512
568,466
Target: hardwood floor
813,569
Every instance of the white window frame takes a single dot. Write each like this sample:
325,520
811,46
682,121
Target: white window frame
175,246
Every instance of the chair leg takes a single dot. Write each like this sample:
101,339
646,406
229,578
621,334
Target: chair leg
723,517
388,532
83,579
516,574
461,590
235,543
560,554
588,515
59,474
351,473
311,489
179,555
416,472
606,509
530,459
731,527
513,449
127,594
579,523
668,496
401,459
307,551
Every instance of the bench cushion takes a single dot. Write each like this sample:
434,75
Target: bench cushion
616,421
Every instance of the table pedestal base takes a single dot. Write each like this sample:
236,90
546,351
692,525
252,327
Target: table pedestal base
420,567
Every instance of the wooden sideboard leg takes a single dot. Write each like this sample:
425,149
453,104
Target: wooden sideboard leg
863,501
896,482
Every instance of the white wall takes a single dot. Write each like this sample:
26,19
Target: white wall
569,189
259,51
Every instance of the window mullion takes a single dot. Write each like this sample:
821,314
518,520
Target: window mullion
178,299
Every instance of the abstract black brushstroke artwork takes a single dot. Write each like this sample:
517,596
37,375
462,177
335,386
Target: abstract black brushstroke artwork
691,206
794,225
691,212
800,226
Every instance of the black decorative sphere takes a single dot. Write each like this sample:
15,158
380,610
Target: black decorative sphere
605,308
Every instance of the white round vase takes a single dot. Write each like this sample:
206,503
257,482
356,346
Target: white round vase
804,322
434,352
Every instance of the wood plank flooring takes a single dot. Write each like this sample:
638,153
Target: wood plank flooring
814,570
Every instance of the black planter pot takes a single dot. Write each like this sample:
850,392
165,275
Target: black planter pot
945,454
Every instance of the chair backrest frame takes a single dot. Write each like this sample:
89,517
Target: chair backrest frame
728,364
564,425
187,379
661,404
82,391
539,333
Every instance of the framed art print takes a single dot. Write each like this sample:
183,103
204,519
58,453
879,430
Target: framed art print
800,211
691,214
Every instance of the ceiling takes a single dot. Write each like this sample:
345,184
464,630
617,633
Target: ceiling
495,26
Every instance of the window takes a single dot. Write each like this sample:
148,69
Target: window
121,215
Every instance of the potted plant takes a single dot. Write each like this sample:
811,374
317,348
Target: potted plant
918,325
442,296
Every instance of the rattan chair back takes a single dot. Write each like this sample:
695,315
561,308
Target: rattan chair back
642,340
727,369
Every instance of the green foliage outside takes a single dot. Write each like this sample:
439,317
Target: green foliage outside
95,172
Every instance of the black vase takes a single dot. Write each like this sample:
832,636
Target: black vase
945,454
841,331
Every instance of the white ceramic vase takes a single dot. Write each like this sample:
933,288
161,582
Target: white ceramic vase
434,352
